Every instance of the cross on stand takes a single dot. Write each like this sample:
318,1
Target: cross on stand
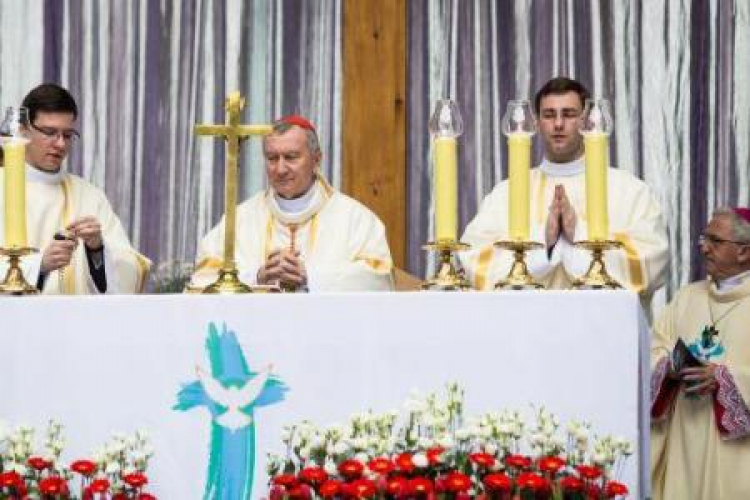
233,132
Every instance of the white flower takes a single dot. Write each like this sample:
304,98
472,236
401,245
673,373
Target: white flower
425,442
490,448
420,460
340,448
362,457
462,434
330,467
446,442
112,468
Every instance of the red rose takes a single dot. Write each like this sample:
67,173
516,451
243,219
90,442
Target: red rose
135,479
362,488
593,490
330,488
571,484
533,482
405,463
518,461
397,486
300,492
11,479
434,455
83,467
351,469
551,464
498,482
100,485
420,486
313,475
146,496
53,485
380,465
285,480
589,471
614,489
277,492
457,482
38,463
483,459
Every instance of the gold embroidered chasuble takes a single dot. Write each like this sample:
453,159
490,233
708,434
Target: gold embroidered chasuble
52,202
634,219
342,243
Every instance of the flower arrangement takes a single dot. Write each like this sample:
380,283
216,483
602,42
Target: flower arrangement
115,472
171,277
434,453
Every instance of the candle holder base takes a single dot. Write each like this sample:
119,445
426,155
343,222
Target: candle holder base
519,277
229,283
596,278
448,277
15,283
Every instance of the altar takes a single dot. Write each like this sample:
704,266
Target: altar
115,364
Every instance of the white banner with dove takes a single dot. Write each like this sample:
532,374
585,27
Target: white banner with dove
113,364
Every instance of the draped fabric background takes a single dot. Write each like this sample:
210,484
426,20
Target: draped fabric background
145,71
676,71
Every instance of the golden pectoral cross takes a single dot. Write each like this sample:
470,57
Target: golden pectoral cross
233,132
291,287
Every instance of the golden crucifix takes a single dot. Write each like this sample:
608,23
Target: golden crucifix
233,132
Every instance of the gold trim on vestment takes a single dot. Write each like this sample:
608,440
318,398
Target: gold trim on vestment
209,263
540,211
379,265
144,265
635,266
67,274
484,259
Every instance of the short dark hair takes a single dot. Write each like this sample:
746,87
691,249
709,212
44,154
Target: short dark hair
49,98
561,85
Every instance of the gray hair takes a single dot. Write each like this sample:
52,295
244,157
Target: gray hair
740,227
312,138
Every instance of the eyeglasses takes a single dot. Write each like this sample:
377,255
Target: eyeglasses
710,239
52,134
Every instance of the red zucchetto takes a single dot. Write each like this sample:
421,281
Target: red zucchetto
298,120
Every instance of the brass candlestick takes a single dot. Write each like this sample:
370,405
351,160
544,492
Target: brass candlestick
14,282
233,132
518,278
448,277
596,278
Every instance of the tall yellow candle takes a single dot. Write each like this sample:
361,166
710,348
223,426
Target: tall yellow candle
446,188
597,209
15,193
519,165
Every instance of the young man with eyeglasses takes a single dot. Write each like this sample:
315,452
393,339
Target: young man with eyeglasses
83,248
558,207
700,418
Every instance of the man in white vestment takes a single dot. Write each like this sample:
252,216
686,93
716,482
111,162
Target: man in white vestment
700,432
558,211
301,234
83,248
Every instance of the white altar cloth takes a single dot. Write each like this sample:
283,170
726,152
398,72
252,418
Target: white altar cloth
102,365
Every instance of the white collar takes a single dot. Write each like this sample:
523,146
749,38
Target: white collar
298,210
567,169
34,174
729,284
295,205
